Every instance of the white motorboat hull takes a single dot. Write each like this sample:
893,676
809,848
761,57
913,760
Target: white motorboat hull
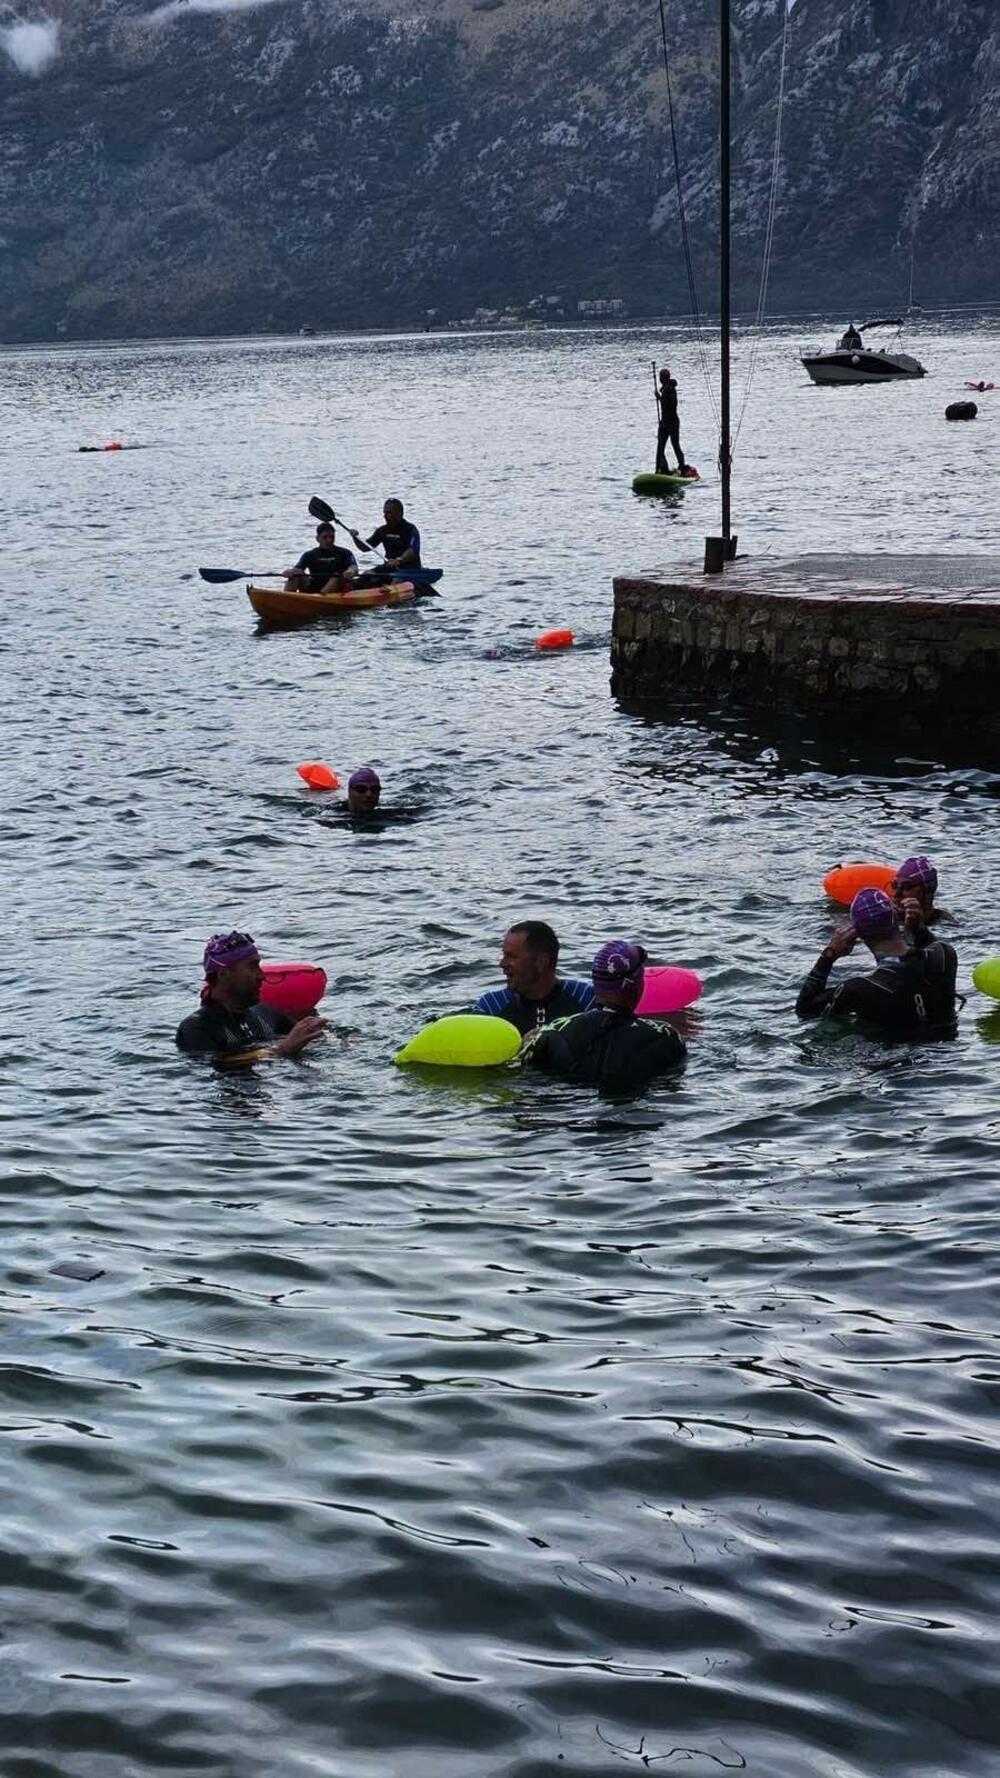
861,367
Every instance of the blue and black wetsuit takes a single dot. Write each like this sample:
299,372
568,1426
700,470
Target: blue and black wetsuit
606,1047
568,996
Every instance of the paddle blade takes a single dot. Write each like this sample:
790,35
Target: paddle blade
319,510
217,576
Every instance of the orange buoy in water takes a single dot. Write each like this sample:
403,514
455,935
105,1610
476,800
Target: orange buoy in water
318,776
294,988
555,639
846,881
114,447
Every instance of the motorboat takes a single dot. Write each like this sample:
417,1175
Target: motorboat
851,361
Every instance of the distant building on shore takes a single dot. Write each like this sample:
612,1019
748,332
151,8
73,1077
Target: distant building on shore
601,305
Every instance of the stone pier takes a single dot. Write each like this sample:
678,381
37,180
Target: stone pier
839,633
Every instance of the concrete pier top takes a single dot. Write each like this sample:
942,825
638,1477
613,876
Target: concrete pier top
952,579
815,631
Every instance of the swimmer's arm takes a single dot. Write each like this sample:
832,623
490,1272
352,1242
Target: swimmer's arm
302,1032
914,923
532,1051
815,997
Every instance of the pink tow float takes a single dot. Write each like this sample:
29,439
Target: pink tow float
294,988
668,989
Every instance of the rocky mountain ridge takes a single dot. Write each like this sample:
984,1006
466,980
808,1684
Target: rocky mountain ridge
219,165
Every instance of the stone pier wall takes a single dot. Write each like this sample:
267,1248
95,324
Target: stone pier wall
817,631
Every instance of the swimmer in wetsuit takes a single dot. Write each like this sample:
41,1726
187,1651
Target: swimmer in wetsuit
609,1046
233,1025
364,805
911,991
916,881
364,789
534,994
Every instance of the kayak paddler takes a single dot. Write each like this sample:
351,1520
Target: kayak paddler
396,538
328,568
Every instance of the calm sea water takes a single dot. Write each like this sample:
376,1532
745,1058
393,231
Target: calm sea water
468,1427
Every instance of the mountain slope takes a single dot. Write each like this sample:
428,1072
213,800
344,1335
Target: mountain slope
304,162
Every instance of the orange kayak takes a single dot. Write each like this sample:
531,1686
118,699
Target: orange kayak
277,605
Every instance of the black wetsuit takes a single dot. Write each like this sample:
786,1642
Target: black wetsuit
906,997
669,429
570,995
322,565
394,539
607,1047
215,1031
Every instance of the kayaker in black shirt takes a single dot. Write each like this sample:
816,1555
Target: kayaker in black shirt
397,538
327,569
911,991
610,1046
534,993
233,1025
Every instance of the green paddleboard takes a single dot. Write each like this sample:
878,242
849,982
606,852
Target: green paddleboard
661,484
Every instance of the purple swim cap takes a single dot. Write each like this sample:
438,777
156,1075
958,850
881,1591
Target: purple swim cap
364,775
226,948
617,962
919,871
872,914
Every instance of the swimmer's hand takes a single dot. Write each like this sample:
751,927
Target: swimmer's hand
842,942
913,913
302,1032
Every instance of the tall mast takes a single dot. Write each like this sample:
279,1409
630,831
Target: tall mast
725,440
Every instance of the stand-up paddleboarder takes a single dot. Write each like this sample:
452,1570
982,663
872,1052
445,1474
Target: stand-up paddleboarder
668,430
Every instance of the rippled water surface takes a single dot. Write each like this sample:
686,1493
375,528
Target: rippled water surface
462,1427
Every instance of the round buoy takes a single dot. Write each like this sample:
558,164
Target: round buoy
318,776
555,639
961,410
986,977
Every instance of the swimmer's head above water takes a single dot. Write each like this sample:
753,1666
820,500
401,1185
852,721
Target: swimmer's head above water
875,919
618,973
231,962
364,787
916,879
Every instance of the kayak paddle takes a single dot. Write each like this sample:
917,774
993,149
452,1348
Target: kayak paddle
424,578
218,576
